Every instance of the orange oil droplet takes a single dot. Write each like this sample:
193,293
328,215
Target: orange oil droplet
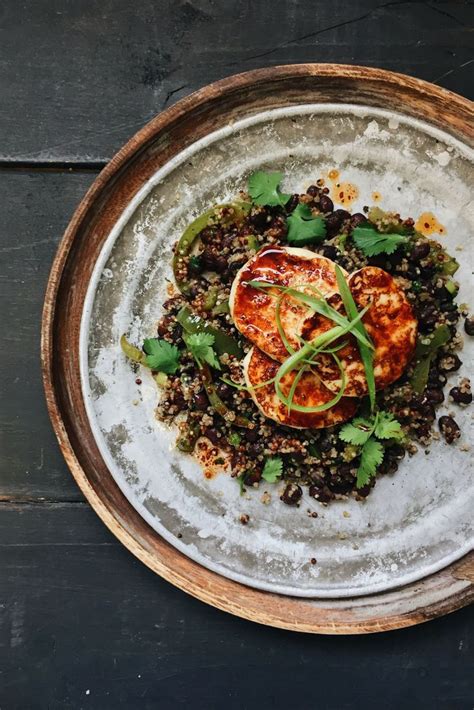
428,224
376,196
333,174
344,192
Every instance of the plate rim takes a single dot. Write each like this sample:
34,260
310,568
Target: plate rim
214,589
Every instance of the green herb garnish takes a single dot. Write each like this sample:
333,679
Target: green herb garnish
371,242
304,228
200,346
234,439
273,469
161,355
371,457
366,354
364,433
264,189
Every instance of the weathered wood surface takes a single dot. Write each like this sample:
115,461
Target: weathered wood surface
77,611
34,211
79,78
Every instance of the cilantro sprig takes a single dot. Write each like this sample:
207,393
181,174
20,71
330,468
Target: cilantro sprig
161,355
304,227
371,242
200,346
365,432
273,469
264,189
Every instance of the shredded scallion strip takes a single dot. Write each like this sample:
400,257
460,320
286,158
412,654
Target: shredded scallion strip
319,305
366,354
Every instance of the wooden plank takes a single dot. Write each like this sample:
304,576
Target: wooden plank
78,613
79,78
34,212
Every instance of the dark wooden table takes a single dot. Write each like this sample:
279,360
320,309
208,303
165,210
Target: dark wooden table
82,623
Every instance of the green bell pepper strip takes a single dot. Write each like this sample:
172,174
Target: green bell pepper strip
193,230
223,343
424,354
132,352
210,299
187,441
216,402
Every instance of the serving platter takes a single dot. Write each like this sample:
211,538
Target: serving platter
401,557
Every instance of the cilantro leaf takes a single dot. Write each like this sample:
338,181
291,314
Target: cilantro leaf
388,427
357,431
371,457
303,227
371,242
263,189
273,469
161,355
200,346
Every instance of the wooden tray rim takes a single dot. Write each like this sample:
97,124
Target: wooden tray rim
271,609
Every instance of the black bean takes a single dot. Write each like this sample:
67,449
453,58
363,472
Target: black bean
224,391
259,220
207,235
436,378
447,306
358,219
213,262
452,317
164,324
323,494
449,429
200,401
326,204
326,444
388,466
330,252
178,400
434,396
396,452
427,411
442,293
419,252
334,222
411,273
469,326
341,485
292,203
213,437
253,477
313,190
396,258
449,363
379,261
292,494
251,434
427,272
459,396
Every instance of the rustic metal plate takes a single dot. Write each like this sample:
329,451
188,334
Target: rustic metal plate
106,278
415,522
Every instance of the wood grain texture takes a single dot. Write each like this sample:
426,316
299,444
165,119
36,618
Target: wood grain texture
78,613
81,76
155,144
34,211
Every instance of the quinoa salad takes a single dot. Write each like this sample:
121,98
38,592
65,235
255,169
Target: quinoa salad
306,346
